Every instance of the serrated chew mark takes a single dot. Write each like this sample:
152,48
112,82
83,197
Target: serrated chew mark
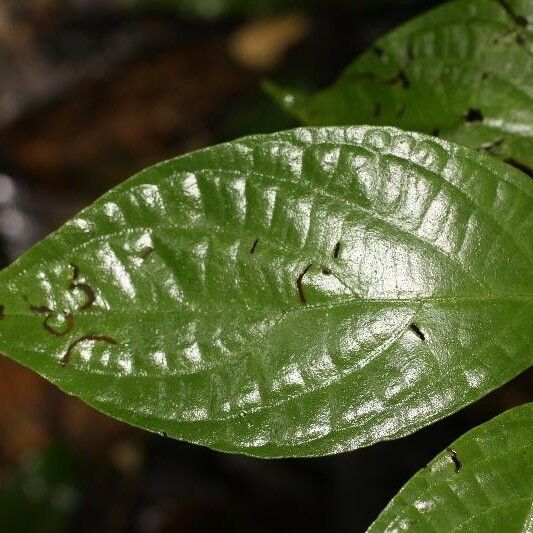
97,338
43,309
400,79
75,271
473,115
87,290
299,285
147,252
254,245
337,250
417,331
59,333
455,459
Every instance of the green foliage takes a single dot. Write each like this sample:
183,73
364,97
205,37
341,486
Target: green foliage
316,290
482,482
42,495
293,294
463,72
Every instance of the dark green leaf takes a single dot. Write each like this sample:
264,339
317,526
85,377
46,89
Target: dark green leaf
463,71
299,293
482,482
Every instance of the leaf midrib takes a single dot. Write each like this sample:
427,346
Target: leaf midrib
302,308
342,375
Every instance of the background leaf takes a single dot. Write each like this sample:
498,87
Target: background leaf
463,71
482,482
299,293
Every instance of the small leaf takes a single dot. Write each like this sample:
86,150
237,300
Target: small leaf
482,482
300,293
463,72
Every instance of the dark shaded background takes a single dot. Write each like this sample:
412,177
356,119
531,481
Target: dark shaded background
91,92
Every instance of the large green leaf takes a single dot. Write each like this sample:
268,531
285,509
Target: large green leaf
298,293
463,71
482,482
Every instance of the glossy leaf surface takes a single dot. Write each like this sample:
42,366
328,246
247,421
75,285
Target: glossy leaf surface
299,293
482,482
463,72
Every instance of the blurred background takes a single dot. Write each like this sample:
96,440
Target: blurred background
92,91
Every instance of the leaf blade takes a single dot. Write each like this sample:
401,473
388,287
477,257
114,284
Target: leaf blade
417,248
481,482
462,71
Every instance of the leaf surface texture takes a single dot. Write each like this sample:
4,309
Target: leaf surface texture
463,72
293,294
482,482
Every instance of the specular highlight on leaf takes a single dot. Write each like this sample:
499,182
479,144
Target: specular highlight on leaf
482,482
293,294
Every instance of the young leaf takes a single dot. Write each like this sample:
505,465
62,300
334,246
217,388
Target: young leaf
482,482
463,71
299,293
